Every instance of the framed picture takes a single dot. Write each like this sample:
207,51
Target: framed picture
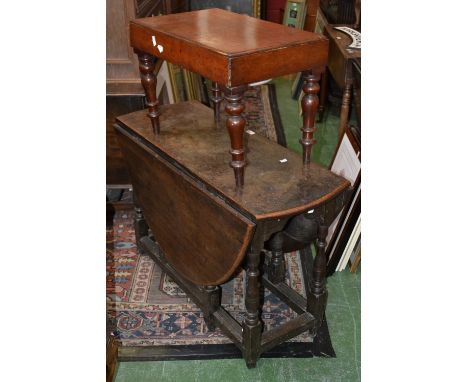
164,88
347,163
294,13
247,7
187,86
355,258
175,75
349,252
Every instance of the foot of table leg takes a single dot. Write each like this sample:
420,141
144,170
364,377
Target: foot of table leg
214,301
317,300
235,125
344,113
309,106
147,64
216,98
252,327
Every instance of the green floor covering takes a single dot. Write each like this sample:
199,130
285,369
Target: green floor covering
343,310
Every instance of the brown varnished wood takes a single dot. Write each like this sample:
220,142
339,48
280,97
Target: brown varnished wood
112,347
272,189
294,300
229,325
148,80
288,330
317,300
235,124
213,293
200,223
186,220
309,104
229,48
252,326
339,54
345,107
340,59
172,196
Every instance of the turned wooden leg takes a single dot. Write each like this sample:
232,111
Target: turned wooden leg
147,64
276,268
309,104
344,113
141,227
323,95
235,125
252,327
214,301
216,98
317,300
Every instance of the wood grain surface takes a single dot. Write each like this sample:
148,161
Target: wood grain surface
192,227
272,188
229,48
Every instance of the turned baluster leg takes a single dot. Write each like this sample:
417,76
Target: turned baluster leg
317,300
147,64
309,106
214,301
276,268
252,326
235,125
216,98
344,113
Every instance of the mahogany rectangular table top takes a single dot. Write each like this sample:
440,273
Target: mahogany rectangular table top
229,48
272,188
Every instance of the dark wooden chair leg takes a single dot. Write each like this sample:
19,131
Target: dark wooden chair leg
276,267
317,300
345,104
216,98
147,64
214,301
252,326
235,125
323,95
309,104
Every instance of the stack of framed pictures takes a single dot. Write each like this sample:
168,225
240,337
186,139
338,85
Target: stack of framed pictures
344,233
164,90
352,251
187,86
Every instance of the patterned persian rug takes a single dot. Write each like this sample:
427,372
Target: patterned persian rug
148,309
